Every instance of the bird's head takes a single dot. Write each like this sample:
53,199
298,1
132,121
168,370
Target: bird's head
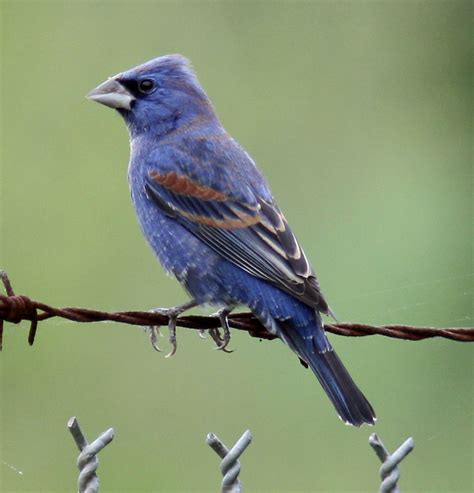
156,97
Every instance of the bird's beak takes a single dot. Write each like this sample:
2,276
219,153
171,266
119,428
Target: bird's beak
112,94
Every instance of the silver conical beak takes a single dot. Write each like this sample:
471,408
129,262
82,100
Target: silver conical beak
112,94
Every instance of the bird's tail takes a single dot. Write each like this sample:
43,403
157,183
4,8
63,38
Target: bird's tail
313,348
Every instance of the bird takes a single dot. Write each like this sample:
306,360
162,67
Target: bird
210,217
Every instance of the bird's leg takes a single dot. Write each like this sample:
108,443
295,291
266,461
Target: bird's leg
172,314
222,343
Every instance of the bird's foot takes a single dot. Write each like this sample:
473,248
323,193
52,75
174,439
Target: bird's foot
153,332
222,341
172,314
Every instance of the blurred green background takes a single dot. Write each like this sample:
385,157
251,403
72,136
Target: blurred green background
359,114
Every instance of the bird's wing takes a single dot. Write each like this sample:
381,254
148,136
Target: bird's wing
252,234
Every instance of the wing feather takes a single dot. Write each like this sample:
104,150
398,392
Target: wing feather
255,236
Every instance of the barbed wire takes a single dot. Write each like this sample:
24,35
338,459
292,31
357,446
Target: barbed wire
16,308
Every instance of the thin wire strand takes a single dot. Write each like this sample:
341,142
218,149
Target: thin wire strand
16,308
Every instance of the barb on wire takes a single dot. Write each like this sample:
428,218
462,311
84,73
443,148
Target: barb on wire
230,465
389,472
15,308
87,462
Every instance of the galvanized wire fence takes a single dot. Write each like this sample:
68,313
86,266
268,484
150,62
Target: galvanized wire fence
230,468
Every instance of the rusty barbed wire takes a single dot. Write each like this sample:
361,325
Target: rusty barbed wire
16,308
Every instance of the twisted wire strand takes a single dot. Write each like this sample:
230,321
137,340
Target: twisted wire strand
230,465
87,461
389,472
16,308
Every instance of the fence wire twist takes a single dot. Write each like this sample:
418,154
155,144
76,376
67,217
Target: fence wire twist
87,462
230,465
16,308
389,472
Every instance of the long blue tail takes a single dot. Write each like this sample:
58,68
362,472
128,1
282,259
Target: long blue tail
311,345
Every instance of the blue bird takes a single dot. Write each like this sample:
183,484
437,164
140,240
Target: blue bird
211,219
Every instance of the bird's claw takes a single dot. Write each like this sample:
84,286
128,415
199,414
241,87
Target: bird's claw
172,337
216,337
153,332
222,342
172,314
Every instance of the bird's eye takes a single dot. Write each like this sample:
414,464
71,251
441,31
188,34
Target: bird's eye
146,86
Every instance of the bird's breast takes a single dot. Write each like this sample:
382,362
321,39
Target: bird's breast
178,250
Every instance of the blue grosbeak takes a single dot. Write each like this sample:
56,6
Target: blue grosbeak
210,217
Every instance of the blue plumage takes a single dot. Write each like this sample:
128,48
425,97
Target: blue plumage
209,216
